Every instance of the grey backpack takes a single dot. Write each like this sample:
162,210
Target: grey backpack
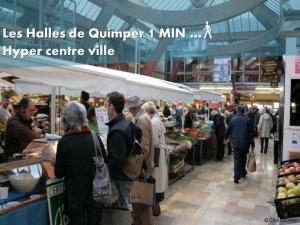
104,190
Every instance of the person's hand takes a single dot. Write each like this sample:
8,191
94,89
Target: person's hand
226,141
48,155
38,133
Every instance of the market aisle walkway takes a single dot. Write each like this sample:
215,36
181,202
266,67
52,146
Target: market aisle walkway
208,195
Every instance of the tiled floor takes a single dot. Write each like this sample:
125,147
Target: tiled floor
208,195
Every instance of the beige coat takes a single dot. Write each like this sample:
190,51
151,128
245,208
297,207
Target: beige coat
143,120
265,125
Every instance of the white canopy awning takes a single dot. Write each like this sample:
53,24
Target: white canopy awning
31,87
6,85
208,96
199,94
69,76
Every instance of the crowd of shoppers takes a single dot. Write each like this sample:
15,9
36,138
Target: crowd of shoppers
77,148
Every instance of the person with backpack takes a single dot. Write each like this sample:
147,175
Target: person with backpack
119,144
75,152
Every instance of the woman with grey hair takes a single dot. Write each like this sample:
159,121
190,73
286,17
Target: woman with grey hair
74,162
160,155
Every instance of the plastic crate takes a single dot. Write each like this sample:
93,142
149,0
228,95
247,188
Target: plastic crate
288,207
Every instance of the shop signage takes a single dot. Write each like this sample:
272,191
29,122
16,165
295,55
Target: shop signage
297,65
55,196
270,68
102,119
274,84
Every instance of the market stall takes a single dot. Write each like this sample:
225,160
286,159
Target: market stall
23,187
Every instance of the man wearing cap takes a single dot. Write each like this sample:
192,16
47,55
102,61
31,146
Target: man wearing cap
143,216
143,121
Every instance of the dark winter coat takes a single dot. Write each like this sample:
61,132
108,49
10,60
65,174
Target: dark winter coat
119,144
241,131
74,163
19,135
219,125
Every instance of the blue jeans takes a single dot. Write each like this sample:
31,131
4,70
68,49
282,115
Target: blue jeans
240,160
124,188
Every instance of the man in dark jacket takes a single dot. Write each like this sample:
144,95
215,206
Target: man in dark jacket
219,127
19,133
119,144
241,131
84,100
254,115
232,111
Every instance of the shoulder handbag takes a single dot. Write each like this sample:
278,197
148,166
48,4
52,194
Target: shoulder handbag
142,194
134,163
104,190
251,164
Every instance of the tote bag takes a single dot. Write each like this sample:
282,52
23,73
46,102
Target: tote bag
143,193
251,164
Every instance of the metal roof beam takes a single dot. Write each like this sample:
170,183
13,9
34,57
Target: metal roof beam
155,56
100,23
266,16
245,46
192,17
198,3
236,36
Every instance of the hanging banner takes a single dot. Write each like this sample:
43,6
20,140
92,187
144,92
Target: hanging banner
102,119
222,70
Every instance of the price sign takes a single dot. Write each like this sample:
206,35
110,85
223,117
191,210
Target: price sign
102,119
55,196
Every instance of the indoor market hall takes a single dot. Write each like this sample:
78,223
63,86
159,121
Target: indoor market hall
149,112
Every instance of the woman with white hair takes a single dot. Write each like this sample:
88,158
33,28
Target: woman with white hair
74,162
160,154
